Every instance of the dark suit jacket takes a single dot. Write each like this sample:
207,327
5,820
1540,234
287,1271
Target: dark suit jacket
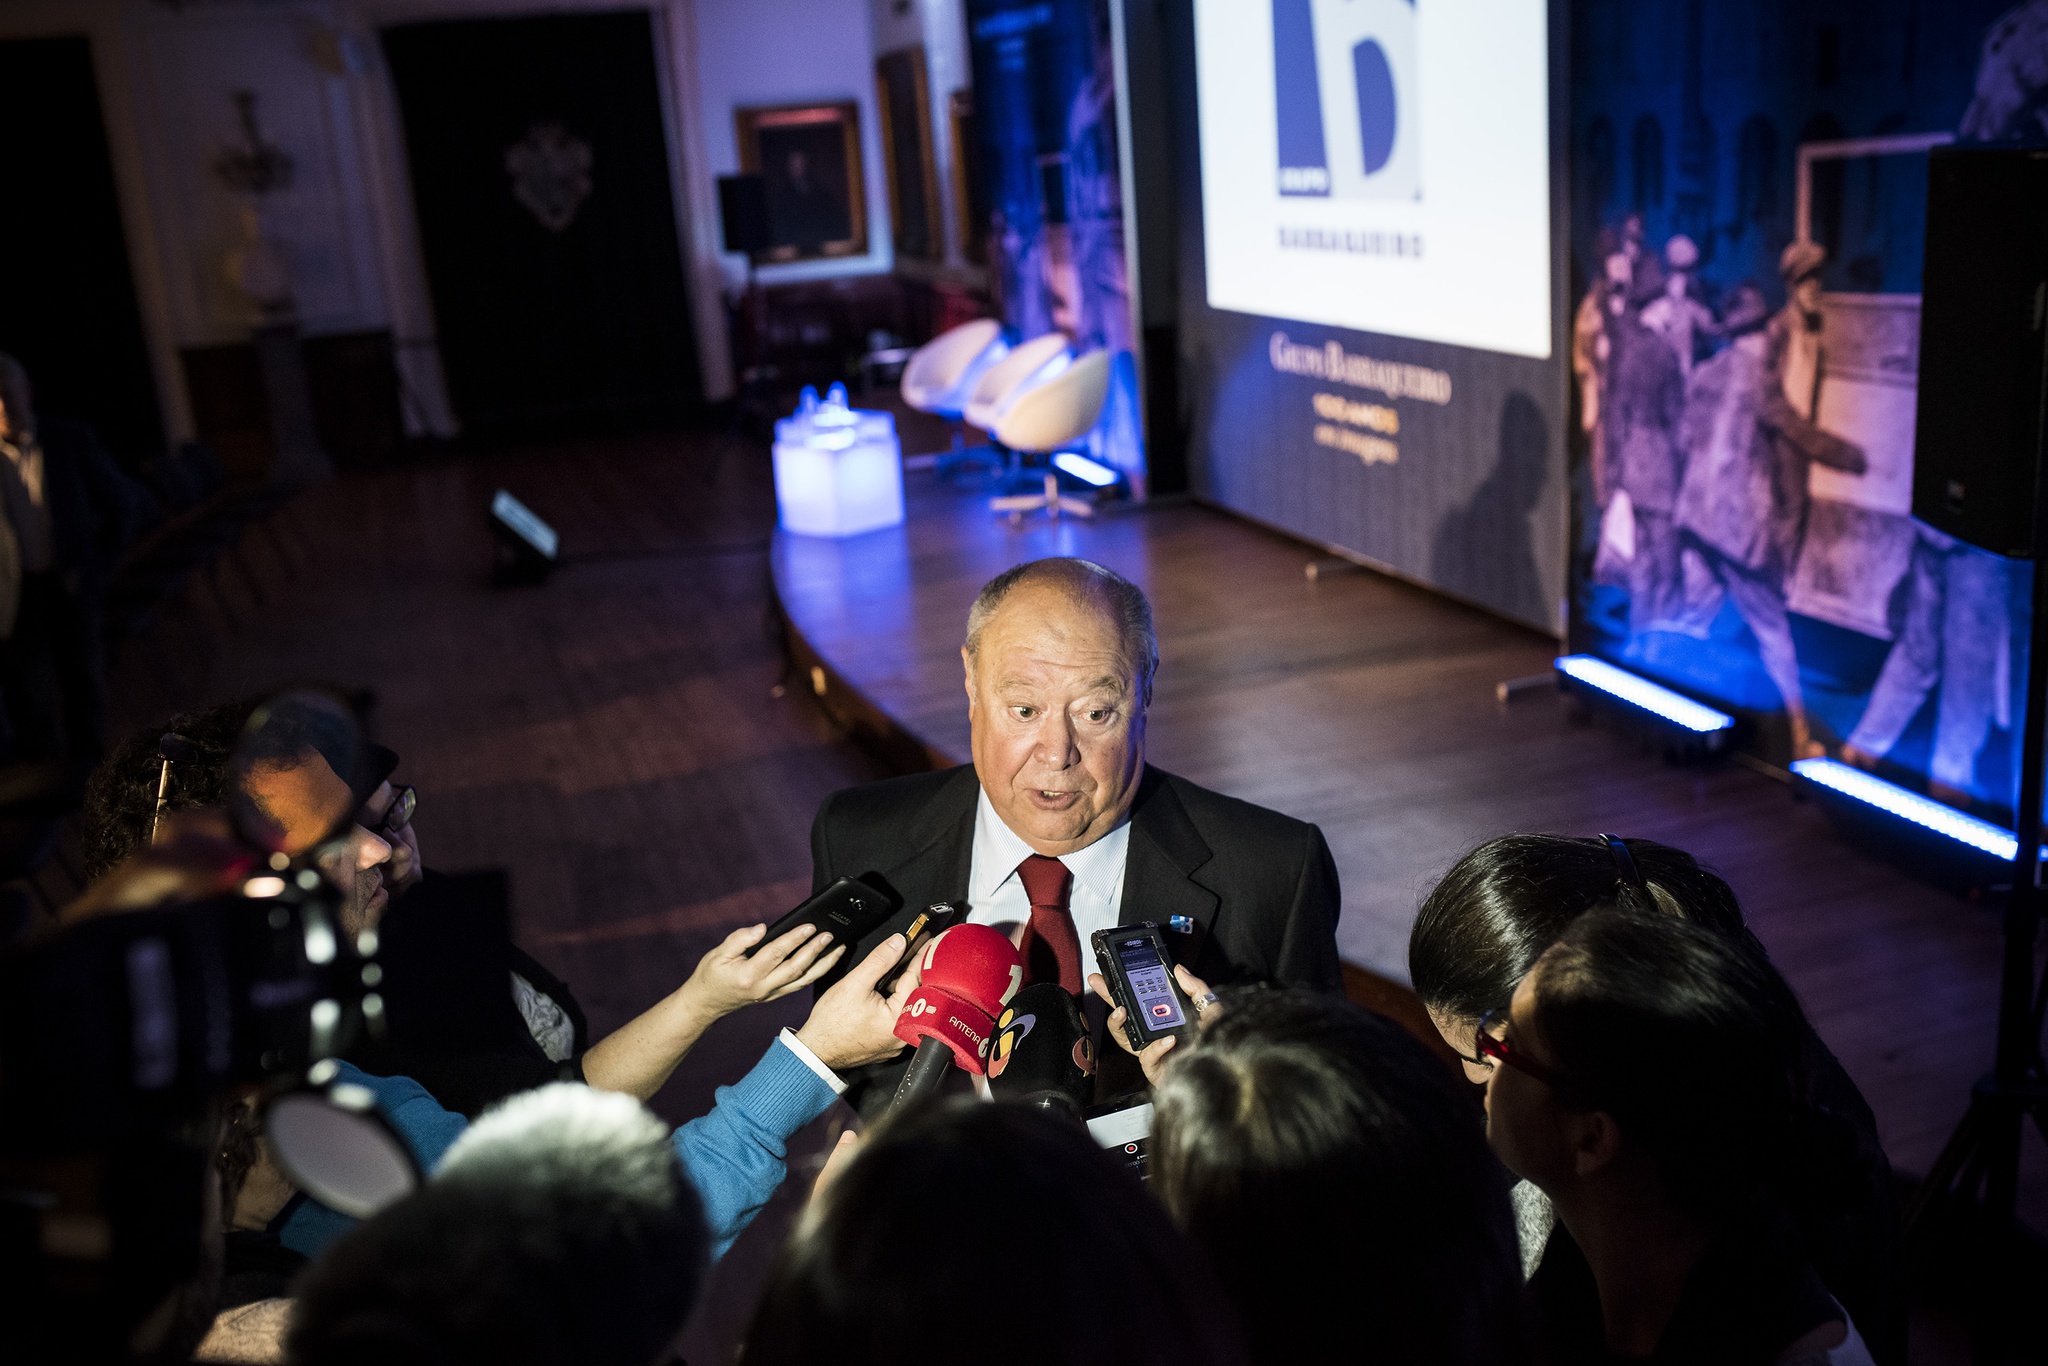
1260,887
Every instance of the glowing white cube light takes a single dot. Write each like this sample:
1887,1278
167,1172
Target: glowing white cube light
838,469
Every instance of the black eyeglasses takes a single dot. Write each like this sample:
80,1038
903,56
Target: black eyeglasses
1490,1044
398,815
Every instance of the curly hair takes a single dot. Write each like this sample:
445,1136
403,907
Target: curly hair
120,797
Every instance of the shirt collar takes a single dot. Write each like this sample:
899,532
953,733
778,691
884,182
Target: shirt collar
998,850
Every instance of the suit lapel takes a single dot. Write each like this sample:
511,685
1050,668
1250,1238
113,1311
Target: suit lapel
941,838
1159,868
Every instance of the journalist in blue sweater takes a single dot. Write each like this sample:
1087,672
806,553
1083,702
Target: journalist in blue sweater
736,1155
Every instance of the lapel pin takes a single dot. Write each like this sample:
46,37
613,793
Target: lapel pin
1181,924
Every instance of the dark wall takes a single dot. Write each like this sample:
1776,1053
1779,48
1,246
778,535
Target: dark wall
540,174
67,302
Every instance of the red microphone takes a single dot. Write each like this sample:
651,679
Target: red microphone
965,978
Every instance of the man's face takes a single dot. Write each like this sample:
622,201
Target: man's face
1807,294
303,799
1524,1122
404,869
1058,724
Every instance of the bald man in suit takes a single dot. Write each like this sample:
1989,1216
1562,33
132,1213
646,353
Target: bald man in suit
1060,828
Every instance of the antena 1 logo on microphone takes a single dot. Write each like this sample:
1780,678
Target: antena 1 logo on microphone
1344,99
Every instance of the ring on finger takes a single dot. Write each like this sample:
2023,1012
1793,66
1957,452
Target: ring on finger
1204,1001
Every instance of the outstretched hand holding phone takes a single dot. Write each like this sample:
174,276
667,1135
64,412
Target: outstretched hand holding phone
640,1055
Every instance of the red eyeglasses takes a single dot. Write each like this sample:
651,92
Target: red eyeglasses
1490,1042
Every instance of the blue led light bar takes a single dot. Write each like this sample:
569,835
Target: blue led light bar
1086,470
1654,698
1874,791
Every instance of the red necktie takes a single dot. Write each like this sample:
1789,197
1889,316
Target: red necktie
1051,947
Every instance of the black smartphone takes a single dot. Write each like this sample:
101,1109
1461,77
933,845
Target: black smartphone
846,910
1139,970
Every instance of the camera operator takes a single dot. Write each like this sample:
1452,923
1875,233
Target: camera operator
734,1155
543,1038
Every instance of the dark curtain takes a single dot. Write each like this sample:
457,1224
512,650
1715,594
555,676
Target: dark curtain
540,174
67,301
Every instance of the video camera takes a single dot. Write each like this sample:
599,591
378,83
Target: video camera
125,1031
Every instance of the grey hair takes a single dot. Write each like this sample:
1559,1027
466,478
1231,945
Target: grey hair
1123,600
570,1136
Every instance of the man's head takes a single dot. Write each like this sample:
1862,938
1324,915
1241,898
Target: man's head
1800,264
1060,655
559,1229
292,784
300,796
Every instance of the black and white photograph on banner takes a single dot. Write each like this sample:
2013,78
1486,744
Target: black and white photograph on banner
1023,682
1743,387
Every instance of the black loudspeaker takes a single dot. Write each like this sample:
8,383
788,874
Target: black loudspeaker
743,213
1977,441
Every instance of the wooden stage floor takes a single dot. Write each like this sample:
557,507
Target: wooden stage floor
1367,706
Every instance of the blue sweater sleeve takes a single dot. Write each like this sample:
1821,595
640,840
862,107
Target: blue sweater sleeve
736,1154
426,1128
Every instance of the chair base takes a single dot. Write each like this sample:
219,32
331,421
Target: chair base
1051,501
944,463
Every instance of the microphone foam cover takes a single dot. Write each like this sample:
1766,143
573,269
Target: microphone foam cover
976,964
965,977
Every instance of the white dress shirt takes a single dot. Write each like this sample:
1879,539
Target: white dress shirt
996,896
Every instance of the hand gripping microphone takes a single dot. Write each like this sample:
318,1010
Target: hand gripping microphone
1042,1054
965,978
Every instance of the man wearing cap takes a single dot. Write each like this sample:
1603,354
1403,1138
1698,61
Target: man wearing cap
1747,450
1675,315
1645,398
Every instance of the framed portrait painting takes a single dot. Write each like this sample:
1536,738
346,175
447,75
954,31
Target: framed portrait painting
905,104
808,158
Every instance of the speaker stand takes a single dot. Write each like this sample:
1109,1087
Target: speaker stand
1983,1154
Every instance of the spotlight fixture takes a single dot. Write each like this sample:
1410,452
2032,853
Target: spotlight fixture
527,547
1684,727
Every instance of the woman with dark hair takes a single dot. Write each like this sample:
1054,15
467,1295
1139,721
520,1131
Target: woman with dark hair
1327,1164
993,1234
1492,916
1486,923
1647,1078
